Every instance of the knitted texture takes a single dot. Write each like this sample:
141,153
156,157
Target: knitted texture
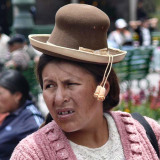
111,150
49,143
135,142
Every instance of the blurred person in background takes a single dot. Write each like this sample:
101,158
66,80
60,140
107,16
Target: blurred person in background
141,12
143,29
3,45
34,54
2,117
21,116
121,36
19,57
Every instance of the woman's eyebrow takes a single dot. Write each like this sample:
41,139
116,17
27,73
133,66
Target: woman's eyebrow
48,80
69,80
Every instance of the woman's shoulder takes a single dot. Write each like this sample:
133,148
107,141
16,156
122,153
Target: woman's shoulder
127,117
133,135
155,126
120,115
124,118
49,132
46,143
35,145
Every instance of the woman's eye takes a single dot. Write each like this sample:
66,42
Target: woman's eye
72,84
49,86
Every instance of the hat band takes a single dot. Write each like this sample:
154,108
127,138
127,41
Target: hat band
103,51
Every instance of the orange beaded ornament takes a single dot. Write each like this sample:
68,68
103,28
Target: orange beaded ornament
100,92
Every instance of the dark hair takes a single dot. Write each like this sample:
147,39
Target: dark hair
14,81
96,70
17,38
1,30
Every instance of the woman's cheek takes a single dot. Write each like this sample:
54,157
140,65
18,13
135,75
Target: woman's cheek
46,98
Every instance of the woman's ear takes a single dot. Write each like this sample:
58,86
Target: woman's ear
107,87
18,96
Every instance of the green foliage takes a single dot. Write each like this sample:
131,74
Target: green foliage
146,105
31,78
144,109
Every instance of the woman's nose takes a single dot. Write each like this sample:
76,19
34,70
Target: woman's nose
60,96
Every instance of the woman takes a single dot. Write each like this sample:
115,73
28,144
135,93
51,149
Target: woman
76,65
21,116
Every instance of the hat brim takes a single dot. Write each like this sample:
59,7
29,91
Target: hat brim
39,42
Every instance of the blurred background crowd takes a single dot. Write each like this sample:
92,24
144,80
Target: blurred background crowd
135,27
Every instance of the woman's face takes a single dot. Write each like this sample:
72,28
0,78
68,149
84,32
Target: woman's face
8,101
68,92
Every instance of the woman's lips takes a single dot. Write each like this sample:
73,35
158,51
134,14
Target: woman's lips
64,114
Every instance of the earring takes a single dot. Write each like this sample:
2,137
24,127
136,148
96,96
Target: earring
100,92
101,95
96,93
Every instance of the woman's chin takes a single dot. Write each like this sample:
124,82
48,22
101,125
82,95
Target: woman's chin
68,128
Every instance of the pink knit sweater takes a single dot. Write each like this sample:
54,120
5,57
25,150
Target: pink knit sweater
49,143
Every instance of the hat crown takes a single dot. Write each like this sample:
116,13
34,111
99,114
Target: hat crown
80,25
79,34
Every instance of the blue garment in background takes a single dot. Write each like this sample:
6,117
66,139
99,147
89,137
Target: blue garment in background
17,126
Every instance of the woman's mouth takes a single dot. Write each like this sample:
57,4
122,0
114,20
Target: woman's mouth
65,114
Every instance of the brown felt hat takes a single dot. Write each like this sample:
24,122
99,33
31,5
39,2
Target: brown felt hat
80,33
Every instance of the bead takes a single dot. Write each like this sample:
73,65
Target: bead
52,137
101,95
130,129
135,147
62,154
133,138
127,120
58,145
96,93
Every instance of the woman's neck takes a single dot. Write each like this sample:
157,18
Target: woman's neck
92,137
